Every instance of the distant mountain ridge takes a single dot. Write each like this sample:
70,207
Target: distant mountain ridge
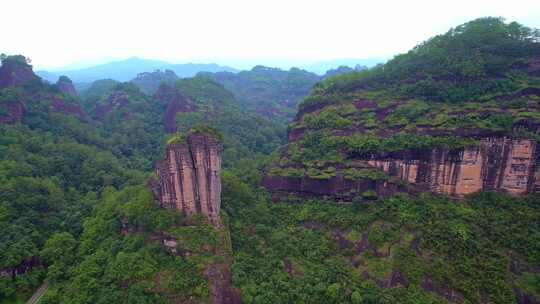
273,92
125,70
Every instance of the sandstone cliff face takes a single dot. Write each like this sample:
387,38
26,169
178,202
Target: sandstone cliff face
501,164
189,177
176,103
497,164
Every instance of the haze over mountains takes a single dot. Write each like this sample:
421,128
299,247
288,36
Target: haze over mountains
125,70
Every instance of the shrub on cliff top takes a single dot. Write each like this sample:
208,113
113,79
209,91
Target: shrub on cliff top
206,129
176,138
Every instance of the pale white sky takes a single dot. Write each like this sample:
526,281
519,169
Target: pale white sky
57,33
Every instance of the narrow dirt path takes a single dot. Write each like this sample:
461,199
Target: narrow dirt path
38,294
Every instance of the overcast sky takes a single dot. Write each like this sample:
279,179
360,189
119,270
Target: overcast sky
60,33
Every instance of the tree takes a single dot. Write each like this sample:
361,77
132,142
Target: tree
59,254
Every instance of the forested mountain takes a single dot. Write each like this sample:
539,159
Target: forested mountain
73,176
411,182
457,115
273,92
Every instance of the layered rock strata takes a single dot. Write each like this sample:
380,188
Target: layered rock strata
496,164
502,164
189,178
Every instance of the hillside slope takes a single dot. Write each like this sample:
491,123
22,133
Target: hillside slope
457,115
428,117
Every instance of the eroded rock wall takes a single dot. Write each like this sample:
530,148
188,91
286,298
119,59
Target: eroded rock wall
496,164
189,177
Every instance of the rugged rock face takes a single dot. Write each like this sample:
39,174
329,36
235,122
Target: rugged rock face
66,86
189,177
501,164
497,164
16,71
176,103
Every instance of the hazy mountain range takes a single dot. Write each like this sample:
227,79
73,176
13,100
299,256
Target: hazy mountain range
128,69
125,70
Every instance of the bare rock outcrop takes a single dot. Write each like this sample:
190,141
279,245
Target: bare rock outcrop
16,71
496,164
502,164
189,178
176,103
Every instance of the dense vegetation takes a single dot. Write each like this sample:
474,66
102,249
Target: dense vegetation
314,251
474,61
218,108
149,82
69,185
269,91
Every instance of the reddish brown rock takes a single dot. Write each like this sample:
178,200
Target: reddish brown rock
189,177
497,164
176,103
296,134
16,71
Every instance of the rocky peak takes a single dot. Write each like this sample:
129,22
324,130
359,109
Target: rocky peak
189,178
65,85
176,103
15,71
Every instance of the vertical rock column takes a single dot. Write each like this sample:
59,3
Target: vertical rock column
206,153
189,177
177,179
